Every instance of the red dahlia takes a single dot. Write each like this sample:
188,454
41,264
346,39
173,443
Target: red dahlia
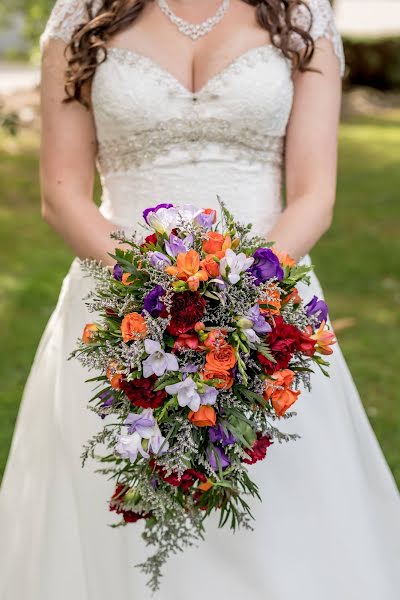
141,392
259,449
186,310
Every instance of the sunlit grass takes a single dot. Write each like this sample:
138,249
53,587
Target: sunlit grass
357,262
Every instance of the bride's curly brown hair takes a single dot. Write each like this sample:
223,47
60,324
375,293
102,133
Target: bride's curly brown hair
83,56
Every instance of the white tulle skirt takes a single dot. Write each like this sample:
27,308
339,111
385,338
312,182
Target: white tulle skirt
328,527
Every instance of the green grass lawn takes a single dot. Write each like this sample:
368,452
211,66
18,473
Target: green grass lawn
357,261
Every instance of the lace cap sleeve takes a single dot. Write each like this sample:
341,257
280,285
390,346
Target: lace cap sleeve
323,26
64,18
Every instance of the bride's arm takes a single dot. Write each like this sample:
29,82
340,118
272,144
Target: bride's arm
68,152
311,155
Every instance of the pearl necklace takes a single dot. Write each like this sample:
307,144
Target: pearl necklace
194,31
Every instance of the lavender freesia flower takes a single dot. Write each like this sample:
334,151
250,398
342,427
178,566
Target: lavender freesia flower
260,325
186,392
159,260
189,368
318,309
158,444
209,397
221,435
177,246
154,209
205,220
217,458
266,266
152,301
118,272
142,423
158,361
129,446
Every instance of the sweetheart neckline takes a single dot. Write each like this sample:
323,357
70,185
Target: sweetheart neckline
123,51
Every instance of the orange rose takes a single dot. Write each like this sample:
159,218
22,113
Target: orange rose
210,265
133,327
113,376
125,278
213,243
285,401
221,359
88,333
278,391
204,417
285,259
227,379
216,242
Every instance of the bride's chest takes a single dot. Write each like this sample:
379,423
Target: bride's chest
132,94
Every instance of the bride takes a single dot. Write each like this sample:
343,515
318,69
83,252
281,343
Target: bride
172,111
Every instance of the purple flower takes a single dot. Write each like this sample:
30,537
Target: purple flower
154,209
266,266
142,423
108,398
217,458
209,396
221,435
118,272
318,309
260,325
152,301
159,260
190,368
206,220
177,246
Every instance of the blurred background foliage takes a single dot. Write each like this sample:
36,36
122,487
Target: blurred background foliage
357,261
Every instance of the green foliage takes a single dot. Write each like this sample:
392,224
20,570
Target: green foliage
35,14
374,62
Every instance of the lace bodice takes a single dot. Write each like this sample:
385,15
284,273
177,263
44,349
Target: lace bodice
157,138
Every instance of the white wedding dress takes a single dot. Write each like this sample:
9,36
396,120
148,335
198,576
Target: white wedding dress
329,524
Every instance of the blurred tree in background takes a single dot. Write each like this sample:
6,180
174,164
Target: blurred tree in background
35,14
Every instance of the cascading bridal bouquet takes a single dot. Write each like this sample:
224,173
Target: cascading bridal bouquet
202,344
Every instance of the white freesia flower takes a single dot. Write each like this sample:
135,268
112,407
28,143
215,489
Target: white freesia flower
232,265
186,392
251,335
129,446
158,361
164,220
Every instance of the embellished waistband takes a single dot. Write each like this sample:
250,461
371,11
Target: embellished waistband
192,137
